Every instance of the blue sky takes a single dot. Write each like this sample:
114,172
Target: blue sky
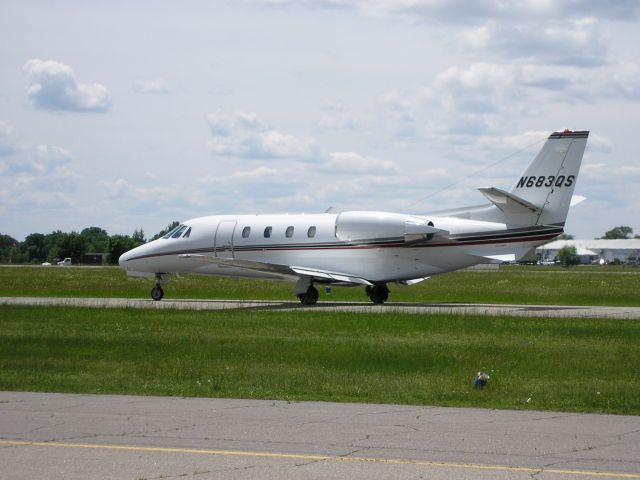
127,115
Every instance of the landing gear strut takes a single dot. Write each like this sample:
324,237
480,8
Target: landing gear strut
378,293
310,297
157,293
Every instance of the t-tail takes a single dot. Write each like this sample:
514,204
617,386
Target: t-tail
543,193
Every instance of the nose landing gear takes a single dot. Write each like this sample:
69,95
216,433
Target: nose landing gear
157,292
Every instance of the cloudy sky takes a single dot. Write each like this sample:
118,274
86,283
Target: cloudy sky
133,114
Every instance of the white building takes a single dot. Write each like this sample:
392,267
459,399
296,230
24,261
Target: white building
593,251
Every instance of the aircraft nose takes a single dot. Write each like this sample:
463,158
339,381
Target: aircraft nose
124,258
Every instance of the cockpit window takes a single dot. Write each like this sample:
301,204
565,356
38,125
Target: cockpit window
168,235
179,231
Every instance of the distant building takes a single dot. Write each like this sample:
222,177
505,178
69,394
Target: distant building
594,251
92,258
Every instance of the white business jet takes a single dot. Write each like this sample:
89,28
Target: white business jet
373,248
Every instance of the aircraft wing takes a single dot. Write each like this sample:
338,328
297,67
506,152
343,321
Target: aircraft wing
234,262
277,268
337,277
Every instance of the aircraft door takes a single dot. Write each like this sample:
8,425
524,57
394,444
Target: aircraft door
223,241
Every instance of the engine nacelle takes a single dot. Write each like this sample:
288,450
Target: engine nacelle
360,226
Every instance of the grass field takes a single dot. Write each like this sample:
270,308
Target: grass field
580,365
613,286
558,364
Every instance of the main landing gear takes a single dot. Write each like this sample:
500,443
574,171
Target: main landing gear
157,293
308,294
377,293
310,297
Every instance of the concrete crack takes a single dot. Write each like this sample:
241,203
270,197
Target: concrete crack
46,426
184,475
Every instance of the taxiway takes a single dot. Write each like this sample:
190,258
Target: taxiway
71,436
574,311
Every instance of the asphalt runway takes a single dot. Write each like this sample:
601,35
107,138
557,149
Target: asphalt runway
629,313
71,436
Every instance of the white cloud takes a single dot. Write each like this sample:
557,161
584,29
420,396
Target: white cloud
477,89
624,82
567,33
479,99
244,135
351,162
6,142
336,118
601,171
124,190
578,42
37,179
53,86
34,173
473,12
154,85
41,160
514,142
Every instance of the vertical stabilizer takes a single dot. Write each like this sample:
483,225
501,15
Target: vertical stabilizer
549,181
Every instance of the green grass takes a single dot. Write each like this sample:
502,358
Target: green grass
614,286
583,365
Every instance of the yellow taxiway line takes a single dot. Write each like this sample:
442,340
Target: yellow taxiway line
329,458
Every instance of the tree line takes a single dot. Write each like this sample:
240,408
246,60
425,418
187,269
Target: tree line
51,247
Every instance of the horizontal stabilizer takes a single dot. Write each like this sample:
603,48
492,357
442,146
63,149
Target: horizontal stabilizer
508,202
577,200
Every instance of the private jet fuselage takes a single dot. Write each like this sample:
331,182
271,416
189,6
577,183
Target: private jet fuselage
373,248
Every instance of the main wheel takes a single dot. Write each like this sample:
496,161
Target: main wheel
157,293
379,294
310,297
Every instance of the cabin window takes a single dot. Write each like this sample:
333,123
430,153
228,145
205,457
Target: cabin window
267,232
289,232
311,232
187,233
179,231
246,231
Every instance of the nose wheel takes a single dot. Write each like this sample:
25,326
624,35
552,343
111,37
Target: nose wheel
157,293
